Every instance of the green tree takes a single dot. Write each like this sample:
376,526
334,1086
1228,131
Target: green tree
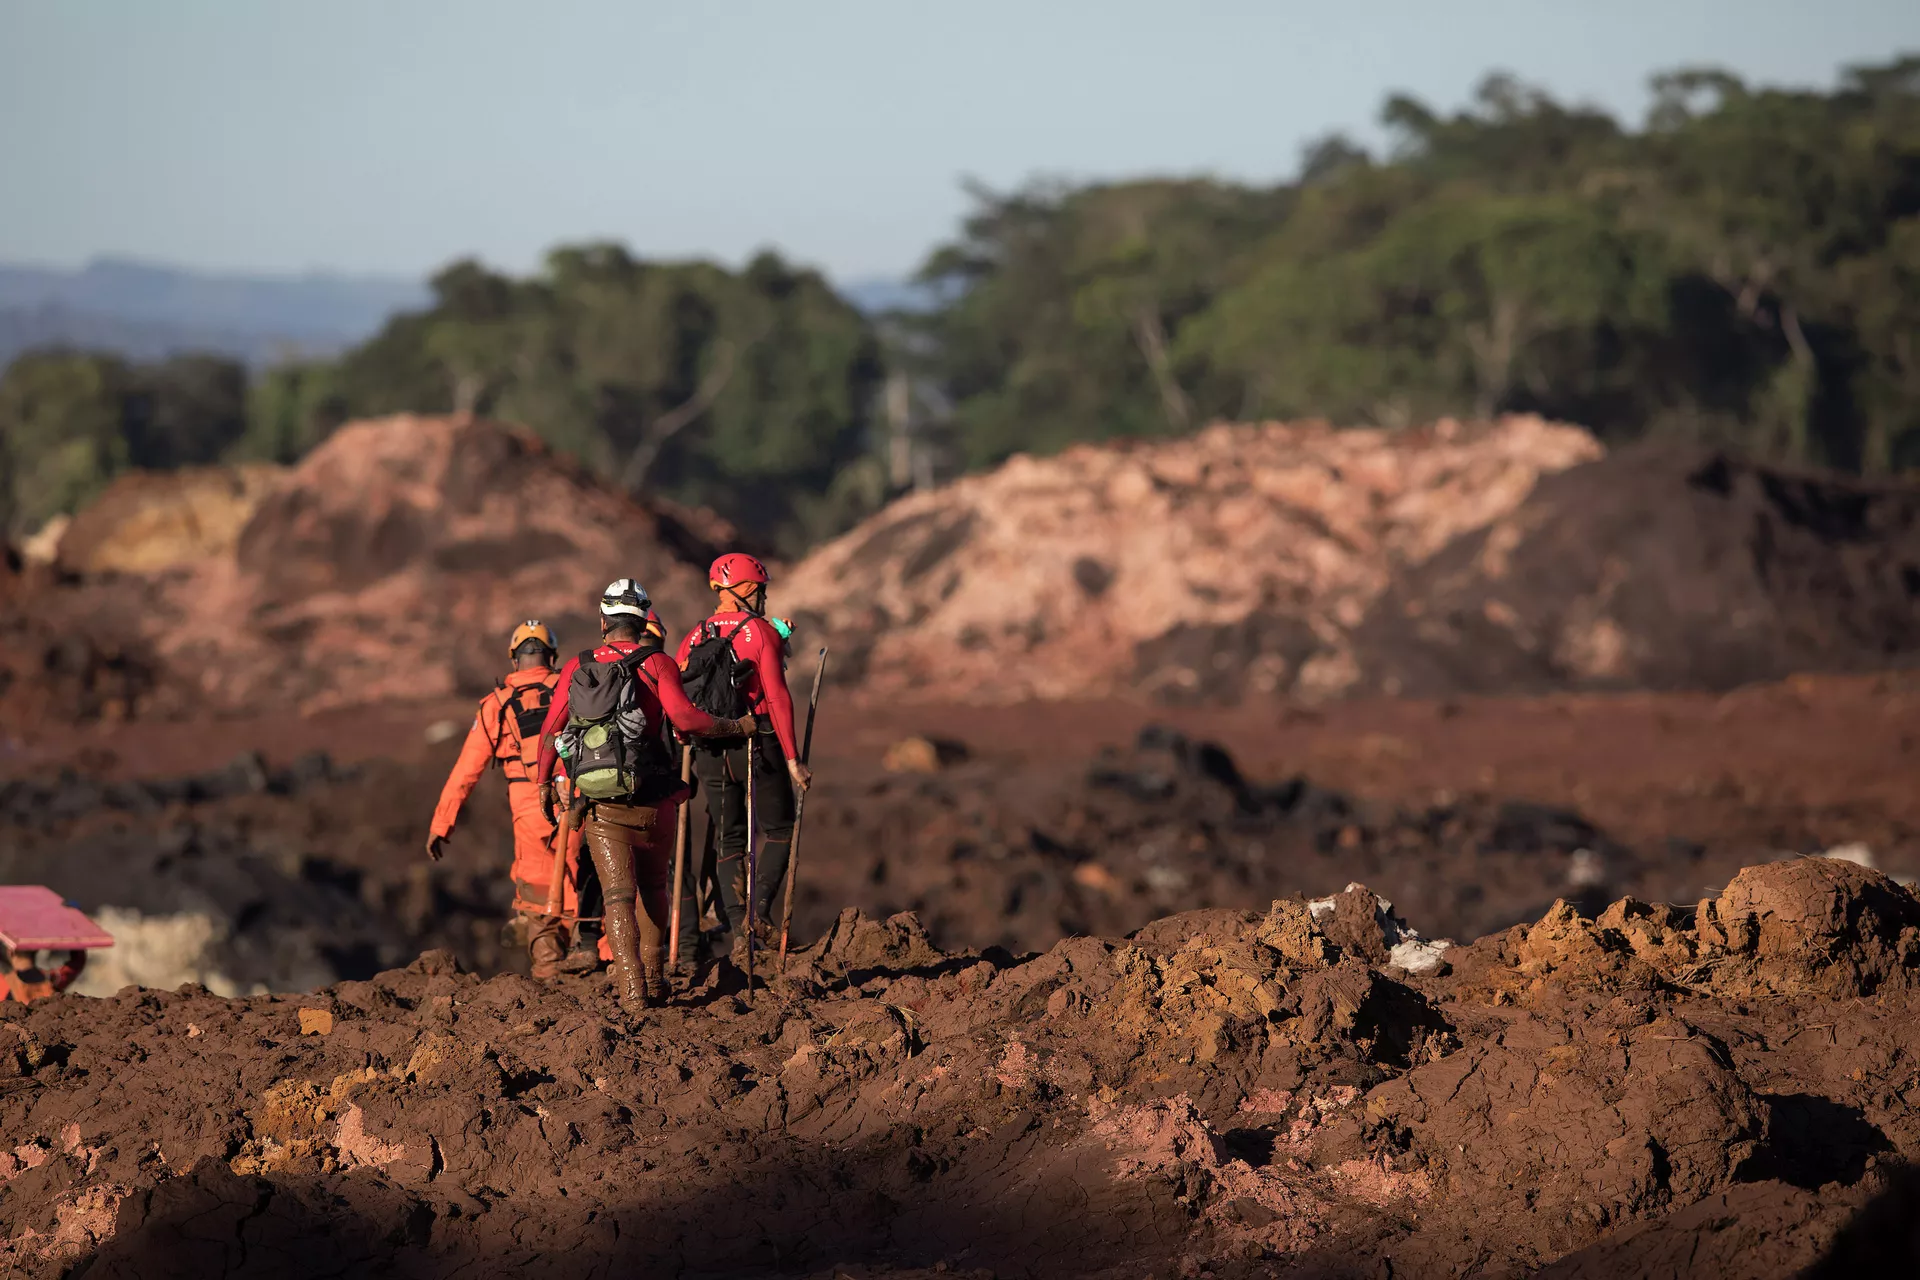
61,436
746,391
184,411
1736,271
291,408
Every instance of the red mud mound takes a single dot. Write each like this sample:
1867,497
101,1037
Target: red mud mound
1703,1092
1237,559
390,563
1314,563
1659,568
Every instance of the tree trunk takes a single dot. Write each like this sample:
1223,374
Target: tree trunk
654,436
899,402
468,387
1803,356
1151,336
1494,345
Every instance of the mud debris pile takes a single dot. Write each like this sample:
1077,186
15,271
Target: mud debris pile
301,875
1505,558
391,560
1224,1092
1659,568
249,877
1236,560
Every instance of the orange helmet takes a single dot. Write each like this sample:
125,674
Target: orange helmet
531,629
736,569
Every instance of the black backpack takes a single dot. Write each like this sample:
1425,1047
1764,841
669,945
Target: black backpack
527,707
714,674
529,713
610,749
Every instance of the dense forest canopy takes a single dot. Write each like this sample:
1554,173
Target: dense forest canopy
1743,270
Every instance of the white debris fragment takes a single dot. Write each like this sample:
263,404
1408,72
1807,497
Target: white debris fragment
1853,851
1406,949
1586,869
1419,956
443,730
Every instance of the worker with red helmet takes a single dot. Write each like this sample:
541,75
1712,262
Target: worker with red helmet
506,732
734,662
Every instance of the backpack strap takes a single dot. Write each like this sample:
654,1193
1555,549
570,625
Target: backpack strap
499,720
645,649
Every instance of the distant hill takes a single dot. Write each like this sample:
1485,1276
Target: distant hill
145,311
877,295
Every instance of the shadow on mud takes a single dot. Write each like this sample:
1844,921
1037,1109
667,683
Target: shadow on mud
889,1210
1883,1239
1813,1141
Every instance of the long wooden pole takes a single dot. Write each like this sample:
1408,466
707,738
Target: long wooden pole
556,883
680,859
747,909
800,809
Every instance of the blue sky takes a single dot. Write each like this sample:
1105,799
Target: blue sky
390,136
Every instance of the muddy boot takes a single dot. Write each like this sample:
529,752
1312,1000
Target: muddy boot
655,986
759,936
545,949
629,978
584,955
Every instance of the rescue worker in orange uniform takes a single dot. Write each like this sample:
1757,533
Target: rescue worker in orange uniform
506,732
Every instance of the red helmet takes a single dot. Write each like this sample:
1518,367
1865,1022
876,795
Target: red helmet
736,569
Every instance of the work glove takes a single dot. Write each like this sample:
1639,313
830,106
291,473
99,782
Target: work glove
436,847
744,727
802,776
547,803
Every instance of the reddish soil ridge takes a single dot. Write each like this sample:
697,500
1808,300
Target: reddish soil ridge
1507,557
391,563
1234,1093
1090,572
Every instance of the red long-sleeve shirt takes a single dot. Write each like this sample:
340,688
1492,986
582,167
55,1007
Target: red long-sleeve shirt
660,693
756,643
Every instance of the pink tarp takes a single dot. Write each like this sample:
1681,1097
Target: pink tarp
34,918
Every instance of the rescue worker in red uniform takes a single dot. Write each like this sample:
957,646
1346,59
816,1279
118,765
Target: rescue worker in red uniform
757,651
630,835
506,732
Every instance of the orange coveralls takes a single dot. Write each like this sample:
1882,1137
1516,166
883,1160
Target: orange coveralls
496,735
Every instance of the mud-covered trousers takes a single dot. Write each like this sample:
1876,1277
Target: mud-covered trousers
632,848
722,774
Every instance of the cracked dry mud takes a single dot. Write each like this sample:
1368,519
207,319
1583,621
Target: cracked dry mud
1717,1091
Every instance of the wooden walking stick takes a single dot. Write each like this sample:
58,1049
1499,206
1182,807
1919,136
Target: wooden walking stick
680,860
799,810
556,884
748,855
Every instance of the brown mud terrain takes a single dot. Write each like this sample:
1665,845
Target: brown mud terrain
1136,928
1718,1090
1468,815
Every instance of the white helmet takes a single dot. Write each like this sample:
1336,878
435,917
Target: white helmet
625,596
